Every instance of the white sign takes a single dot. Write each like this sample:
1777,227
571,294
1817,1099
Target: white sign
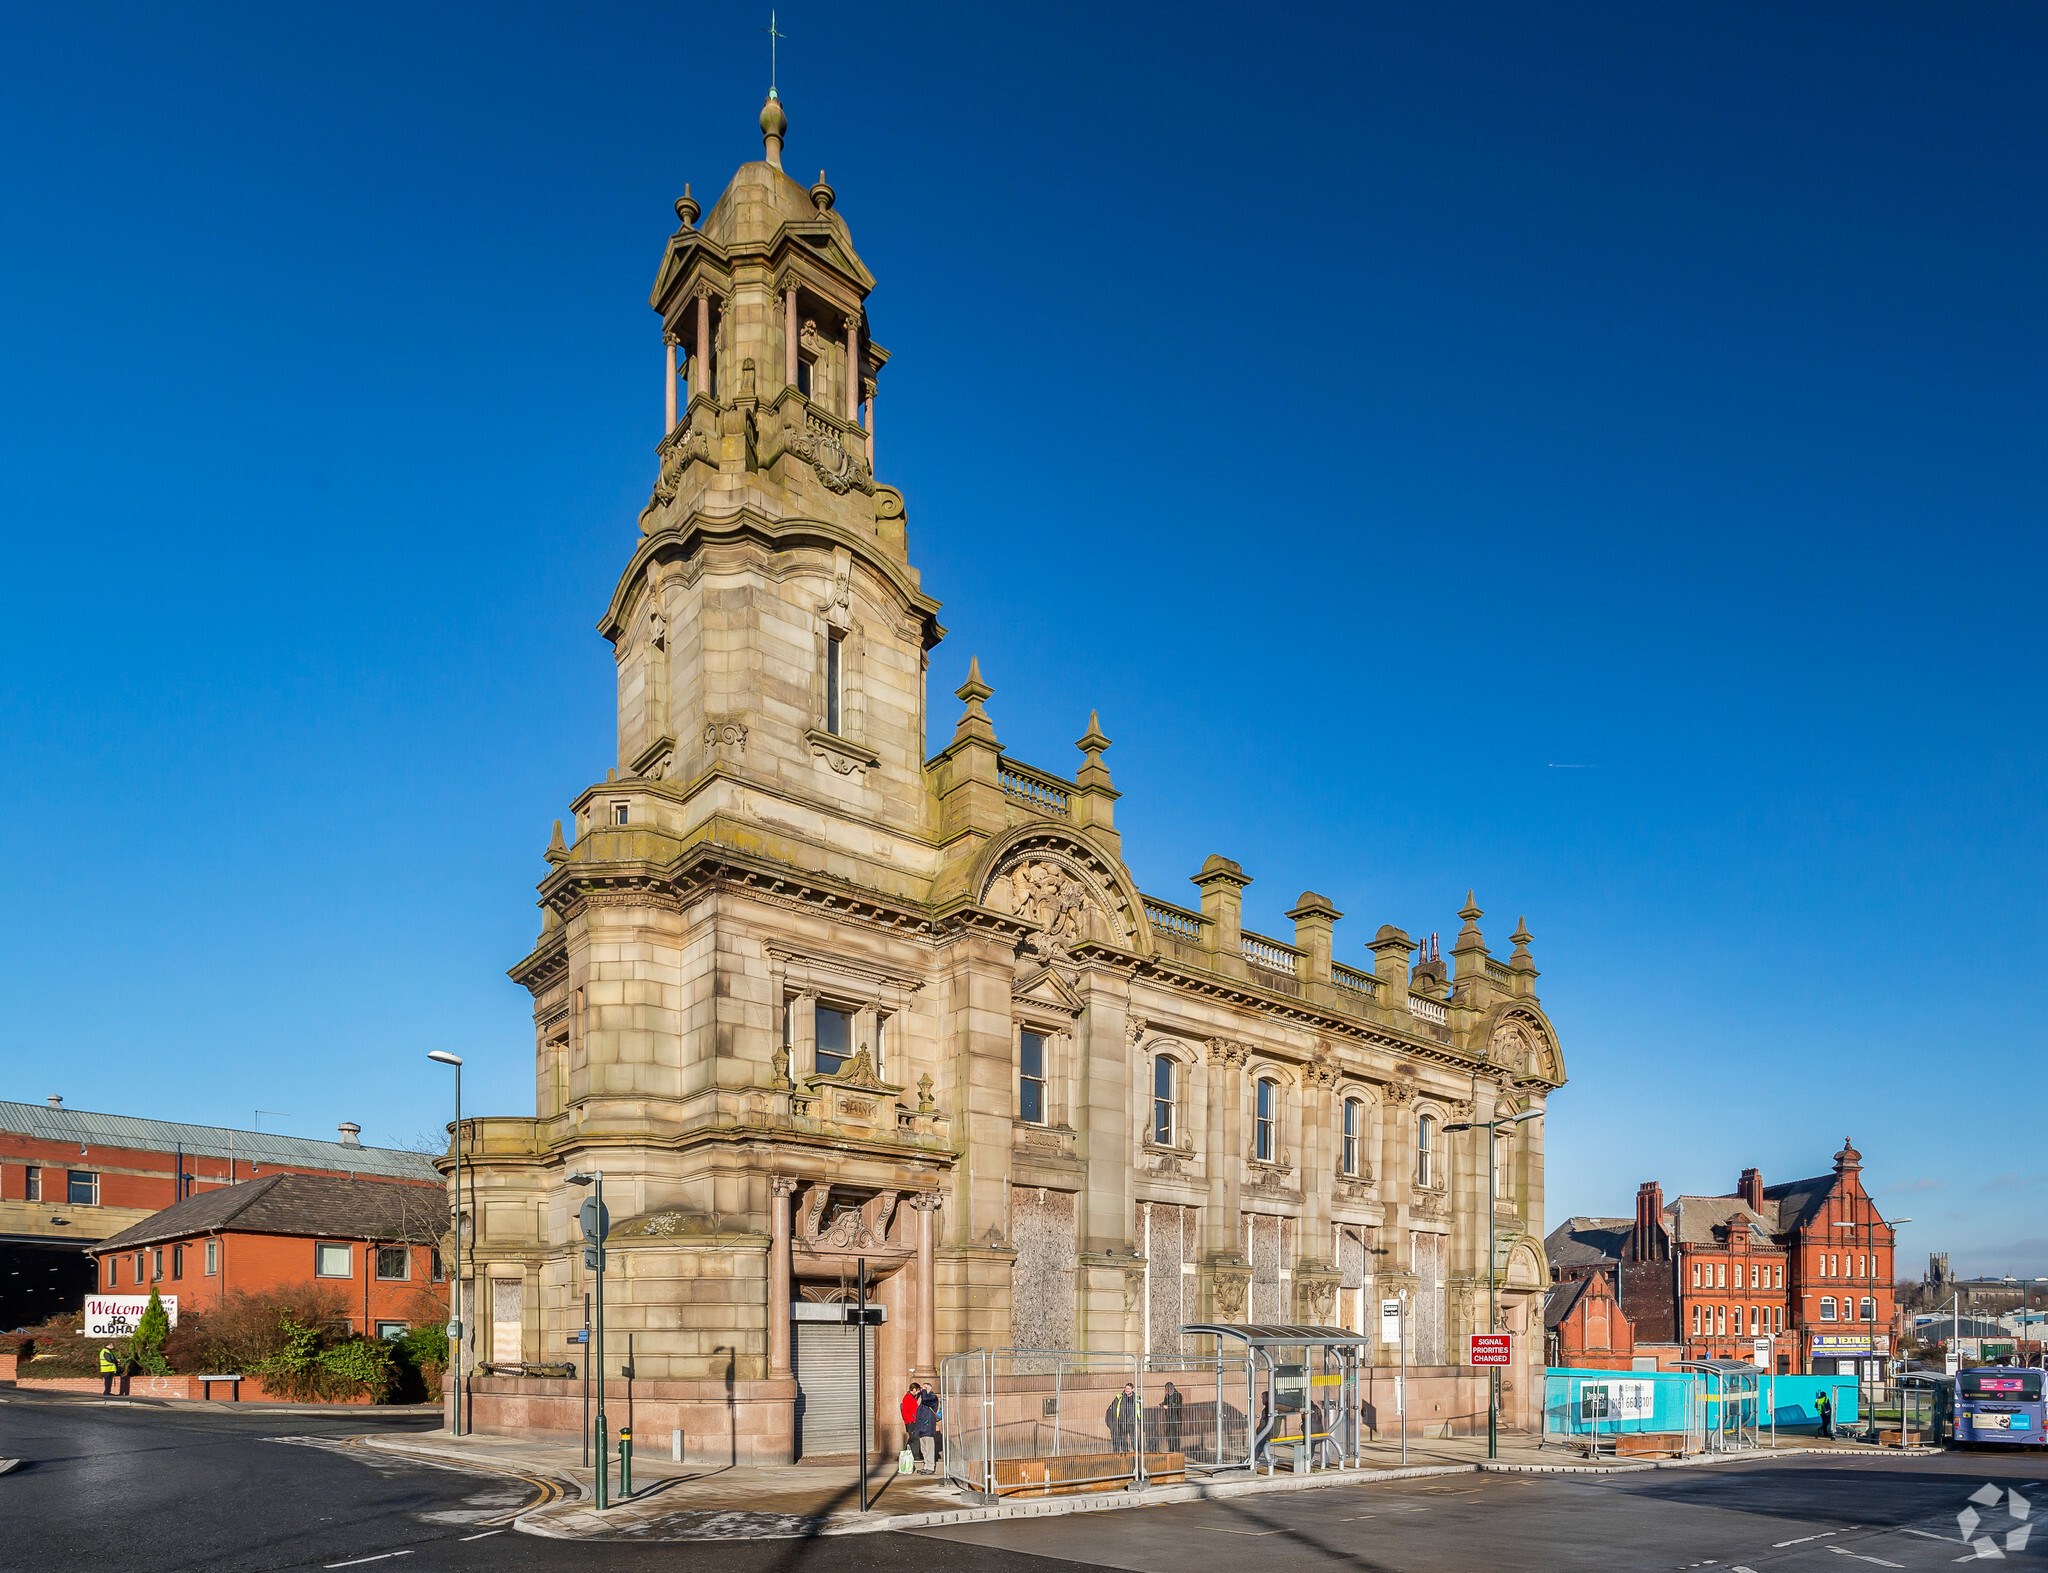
1633,1400
1760,1352
1390,1321
118,1315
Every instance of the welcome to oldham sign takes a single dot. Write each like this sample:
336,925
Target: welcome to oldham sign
118,1315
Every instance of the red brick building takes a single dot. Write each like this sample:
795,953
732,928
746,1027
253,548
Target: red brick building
1806,1265
71,1178
1585,1326
371,1240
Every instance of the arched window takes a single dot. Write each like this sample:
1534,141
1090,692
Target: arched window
1031,1076
1827,1308
1425,1155
1164,1109
1867,1311
1695,1274
1268,1098
1354,1125
1695,1321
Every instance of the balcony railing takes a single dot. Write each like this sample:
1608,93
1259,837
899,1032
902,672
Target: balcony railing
1268,953
1357,982
1423,1008
1174,922
1047,794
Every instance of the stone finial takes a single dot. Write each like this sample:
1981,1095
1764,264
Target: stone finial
1312,904
558,852
1092,742
1220,870
974,722
1848,1158
774,124
1521,960
822,195
686,208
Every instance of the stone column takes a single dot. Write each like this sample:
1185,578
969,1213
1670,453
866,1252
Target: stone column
701,383
668,385
871,422
789,332
926,1203
779,1275
853,367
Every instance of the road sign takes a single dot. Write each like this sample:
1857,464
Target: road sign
596,1221
118,1315
593,1258
1492,1348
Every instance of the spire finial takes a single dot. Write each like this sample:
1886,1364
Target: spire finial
974,721
774,123
774,36
686,208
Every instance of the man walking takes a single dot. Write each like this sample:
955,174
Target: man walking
109,1369
1827,1416
926,1430
1169,1417
1122,1419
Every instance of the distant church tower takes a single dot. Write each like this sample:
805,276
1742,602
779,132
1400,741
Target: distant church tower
812,998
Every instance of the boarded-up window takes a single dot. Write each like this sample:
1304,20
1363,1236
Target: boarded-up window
508,1317
1432,1253
1042,1277
1169,1242
1268,1246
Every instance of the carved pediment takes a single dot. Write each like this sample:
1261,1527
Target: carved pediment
857,1074
1044,987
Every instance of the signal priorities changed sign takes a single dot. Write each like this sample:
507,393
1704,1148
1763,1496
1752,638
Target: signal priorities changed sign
1492,1349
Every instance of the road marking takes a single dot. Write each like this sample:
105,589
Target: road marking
1222,1531
486,1535
381,1557
1358,1520
1844,1551
1803,1539
1928,1535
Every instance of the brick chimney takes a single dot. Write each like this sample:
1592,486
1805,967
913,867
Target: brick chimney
1649,1219
1751,1189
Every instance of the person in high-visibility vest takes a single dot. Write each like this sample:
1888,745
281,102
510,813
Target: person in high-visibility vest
109,1369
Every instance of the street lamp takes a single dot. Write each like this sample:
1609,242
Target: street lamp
594,1229
1492,1313
2025,1284
443,1057
1870,1321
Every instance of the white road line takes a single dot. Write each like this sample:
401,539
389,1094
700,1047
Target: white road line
486,1535
1844,1551
381,1557
1928,1535
1803,1539
1253,1532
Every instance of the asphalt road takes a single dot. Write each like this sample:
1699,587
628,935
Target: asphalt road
150,1490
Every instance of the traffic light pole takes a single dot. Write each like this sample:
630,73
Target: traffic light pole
604,1452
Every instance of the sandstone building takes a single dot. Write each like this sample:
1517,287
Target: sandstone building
809,994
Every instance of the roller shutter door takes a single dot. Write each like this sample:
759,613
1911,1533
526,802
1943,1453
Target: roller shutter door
827,1383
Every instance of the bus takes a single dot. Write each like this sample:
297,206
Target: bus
2000,1404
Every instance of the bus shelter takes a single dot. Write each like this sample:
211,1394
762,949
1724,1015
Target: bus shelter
1300,1387
1731,1401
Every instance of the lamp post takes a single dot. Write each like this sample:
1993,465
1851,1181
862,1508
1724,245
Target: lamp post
596,1228
2025,1284
1870,1321
443,1057
1492,1313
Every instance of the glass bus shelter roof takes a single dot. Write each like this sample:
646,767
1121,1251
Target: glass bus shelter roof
1268,1335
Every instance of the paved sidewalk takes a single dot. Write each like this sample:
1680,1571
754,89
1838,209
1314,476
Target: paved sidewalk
682,1502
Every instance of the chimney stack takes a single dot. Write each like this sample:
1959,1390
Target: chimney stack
55,1100
1649,1219
350,1131
1751,1189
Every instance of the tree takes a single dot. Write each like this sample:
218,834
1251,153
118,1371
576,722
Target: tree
147,1346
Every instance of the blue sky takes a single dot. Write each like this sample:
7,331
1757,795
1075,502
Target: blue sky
1587,454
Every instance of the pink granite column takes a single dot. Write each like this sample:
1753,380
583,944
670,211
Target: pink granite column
927,1288
789,336
668,385
853,368
779,1275
702,382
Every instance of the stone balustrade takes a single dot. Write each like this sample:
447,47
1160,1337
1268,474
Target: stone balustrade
1034,788
1269,953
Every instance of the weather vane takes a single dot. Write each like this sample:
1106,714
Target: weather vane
773,35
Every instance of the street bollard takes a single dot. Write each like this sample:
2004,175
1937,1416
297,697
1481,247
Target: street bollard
625,1462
